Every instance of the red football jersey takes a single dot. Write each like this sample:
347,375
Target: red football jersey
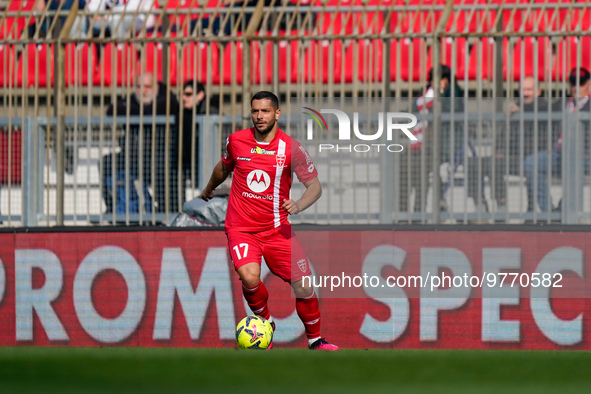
262,179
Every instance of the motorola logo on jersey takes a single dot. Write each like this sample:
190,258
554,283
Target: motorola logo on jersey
258,181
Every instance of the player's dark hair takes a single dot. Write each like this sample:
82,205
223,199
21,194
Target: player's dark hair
264,95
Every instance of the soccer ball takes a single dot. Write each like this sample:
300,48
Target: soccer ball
254,332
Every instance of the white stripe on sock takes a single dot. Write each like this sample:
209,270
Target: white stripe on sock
251,290
308,296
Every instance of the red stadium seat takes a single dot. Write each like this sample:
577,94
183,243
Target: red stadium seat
369,55
198,60
12,26
422,58
347,21
582,19
117,65
333,22
373,21
418,70
233,66
419,17
544,20
7,66
532,59
467,21
267,57
154,54
481,51
38,60
177,9
567,53
317,57
81,64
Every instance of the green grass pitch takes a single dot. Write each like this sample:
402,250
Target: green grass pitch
136,370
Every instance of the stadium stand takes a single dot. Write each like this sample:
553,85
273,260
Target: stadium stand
36,66
352,19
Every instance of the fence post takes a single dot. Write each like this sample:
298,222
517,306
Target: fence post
251,30
390,173
572,169
33,162
60,109
436,140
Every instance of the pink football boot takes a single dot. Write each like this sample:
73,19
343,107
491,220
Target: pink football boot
322,344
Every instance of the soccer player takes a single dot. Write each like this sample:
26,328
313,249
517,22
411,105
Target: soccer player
263,159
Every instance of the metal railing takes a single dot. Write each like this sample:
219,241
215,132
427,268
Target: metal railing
65,67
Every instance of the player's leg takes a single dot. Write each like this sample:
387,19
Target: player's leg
254,290
286,258
246,255
309,312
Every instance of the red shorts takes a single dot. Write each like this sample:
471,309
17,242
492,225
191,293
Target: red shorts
280,247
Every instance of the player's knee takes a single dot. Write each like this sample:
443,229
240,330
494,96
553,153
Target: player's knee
250,275
302,289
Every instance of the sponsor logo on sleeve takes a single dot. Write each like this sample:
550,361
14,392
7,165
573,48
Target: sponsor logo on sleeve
306,154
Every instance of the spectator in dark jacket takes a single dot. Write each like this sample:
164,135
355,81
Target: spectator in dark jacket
530,98
194,103
149,98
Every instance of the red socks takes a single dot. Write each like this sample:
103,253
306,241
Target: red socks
309,313
257,297
307,307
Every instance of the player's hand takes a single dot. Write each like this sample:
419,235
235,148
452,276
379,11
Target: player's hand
291,207
206,194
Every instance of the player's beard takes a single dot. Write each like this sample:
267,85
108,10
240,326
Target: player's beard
267,129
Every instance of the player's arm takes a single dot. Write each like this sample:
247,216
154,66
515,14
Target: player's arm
218,176
310,196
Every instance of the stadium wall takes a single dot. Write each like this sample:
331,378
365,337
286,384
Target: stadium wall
154,288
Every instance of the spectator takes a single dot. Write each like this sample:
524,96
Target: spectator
411,167
152,98
126,17
531,153
194,103
216,24
50,27
578,101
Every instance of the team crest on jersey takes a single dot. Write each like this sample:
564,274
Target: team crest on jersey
280,160
302,265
